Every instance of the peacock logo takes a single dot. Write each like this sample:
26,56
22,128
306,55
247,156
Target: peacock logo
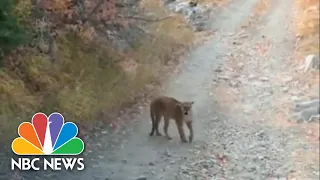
47,136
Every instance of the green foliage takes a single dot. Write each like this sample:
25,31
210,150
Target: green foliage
11,33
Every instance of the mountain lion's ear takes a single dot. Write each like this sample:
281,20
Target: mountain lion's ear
190,103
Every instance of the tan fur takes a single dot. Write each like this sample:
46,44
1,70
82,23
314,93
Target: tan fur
170,108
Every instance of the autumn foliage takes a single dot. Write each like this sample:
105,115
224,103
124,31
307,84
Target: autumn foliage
75,15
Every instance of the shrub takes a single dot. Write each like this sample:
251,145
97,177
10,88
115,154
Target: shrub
11,33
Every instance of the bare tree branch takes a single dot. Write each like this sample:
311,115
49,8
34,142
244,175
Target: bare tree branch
97,7
82,9
144,19
85,17
123,5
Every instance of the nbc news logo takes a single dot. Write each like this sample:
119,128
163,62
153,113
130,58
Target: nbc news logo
47,136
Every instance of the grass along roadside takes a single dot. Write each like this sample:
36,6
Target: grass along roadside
307,26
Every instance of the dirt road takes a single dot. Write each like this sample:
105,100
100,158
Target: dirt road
235,81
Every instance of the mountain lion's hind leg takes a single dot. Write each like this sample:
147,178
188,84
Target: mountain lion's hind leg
165,127
158,119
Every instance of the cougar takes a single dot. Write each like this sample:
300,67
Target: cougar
170,108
